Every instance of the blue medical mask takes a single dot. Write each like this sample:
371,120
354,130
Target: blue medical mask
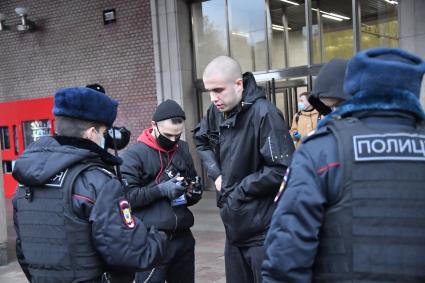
301,106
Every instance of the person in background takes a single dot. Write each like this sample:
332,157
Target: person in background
305,120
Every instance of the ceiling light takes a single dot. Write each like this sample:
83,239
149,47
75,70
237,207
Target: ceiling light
290,2
278,27
332,14
338,16
332,17
239,33
393,2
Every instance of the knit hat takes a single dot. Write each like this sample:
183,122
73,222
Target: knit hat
85,104
384,70
167,110
330,80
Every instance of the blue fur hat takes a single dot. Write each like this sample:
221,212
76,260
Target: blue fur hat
85,104
384,71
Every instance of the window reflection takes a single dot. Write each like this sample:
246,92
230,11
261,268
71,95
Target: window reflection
209,32
332,30
287,34
379,24
247,33
5,139
34,130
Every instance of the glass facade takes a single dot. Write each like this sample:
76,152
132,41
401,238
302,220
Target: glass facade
266,36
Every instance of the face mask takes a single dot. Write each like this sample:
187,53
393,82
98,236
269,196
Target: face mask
301,106
102,142
165,142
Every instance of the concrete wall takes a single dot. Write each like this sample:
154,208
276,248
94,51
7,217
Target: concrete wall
173,61
412,30
72,47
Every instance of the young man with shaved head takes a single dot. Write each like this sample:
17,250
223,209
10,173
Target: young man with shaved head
245,147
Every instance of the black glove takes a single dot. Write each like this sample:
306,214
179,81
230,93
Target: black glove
172,188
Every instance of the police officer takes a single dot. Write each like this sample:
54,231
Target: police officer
152,167
71,218
353,208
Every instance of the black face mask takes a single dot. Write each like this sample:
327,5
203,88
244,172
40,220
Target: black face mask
165,142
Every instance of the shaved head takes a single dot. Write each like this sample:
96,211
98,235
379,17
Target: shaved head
223,80
225,67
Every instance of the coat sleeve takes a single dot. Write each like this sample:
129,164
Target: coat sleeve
19,254
276,149
292,241
139,195
294,126
121,244
205,141
192,198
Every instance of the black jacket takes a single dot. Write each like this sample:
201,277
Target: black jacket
251,150
314,187
95,200
144,168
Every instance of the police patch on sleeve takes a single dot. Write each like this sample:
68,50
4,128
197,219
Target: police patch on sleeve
394,146
283,185
125,211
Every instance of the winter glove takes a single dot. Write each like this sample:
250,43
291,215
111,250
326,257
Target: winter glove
297,135
172,188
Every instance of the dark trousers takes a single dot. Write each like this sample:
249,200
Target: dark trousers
243,264
179,266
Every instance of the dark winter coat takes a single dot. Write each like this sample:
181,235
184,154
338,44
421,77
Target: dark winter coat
95,200
144,166
250,149
314,186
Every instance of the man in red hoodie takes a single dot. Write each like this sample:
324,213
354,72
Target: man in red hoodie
154,168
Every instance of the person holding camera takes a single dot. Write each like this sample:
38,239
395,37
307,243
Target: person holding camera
162,183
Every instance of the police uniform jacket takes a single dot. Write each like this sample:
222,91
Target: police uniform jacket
46,247
315,190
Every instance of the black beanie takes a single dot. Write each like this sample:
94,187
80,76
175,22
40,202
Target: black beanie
167,110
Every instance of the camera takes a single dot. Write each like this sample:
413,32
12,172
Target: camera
193,184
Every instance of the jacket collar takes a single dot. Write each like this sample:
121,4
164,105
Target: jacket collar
82,143
378,101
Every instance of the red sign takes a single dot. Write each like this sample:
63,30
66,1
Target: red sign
22,122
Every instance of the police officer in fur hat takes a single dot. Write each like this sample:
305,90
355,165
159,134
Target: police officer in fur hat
353,206
72,220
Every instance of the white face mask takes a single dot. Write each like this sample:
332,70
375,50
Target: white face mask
301,106
102,142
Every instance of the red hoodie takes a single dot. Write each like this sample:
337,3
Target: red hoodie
147,138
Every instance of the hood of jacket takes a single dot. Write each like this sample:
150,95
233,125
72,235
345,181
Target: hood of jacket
251,93
381,101
46,157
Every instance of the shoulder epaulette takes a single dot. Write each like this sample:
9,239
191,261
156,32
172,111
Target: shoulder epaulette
317,133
